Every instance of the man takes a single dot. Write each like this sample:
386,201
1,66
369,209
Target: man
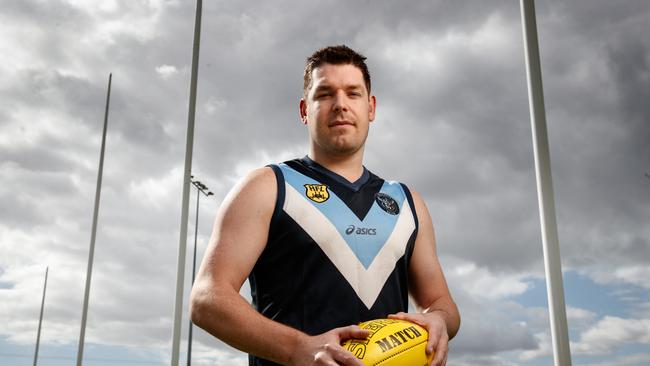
325,243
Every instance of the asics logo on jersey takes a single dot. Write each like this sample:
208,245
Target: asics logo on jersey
360,230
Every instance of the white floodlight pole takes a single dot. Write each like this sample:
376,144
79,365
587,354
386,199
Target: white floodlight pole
182,245
196,236
93,235
200,188
552,263
40,318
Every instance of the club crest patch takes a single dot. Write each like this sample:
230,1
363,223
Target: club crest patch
387,203
317,192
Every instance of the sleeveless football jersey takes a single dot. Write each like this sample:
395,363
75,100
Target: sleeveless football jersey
337,252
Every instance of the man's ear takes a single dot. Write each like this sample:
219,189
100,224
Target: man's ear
372,107
303,111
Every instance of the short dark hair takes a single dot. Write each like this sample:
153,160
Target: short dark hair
335,55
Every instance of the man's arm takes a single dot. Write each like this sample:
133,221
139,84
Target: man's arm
428,288
239,237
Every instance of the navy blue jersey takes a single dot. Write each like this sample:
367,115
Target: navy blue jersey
337,252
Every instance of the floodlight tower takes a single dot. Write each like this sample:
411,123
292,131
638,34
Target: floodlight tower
200,188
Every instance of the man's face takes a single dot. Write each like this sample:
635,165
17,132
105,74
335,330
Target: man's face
337,109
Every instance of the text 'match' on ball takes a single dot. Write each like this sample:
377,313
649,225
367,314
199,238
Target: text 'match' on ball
391,342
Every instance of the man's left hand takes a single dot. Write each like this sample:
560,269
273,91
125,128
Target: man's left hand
435,324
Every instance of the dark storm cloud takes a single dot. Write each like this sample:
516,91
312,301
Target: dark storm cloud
48,154
59,25
630,59
18,211
256,63
598,117
52,90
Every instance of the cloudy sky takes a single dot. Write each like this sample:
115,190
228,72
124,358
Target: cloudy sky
453,123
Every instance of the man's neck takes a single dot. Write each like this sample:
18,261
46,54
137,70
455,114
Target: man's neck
349,167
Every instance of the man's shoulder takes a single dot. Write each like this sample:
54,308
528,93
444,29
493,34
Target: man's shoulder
262,176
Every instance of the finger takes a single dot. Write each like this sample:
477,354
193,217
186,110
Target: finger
441,352
432,342
347,359
443,362
352,331
324,358
413,318
343,356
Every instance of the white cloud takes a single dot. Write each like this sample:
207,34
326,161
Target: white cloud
625,274
157,192
579,319
166,71
482,283
214,105
610,333
638,359
491,323
577,314
437,52
637,275
543,348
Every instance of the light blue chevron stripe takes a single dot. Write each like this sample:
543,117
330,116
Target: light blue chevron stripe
364,246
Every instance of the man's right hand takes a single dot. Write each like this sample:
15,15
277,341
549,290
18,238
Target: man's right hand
325,349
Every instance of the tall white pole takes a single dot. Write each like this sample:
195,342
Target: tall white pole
552,263
93,235
182,245
40,319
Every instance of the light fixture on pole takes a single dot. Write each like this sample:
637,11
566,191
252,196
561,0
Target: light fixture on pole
200,188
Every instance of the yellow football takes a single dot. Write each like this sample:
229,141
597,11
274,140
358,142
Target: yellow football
391,342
